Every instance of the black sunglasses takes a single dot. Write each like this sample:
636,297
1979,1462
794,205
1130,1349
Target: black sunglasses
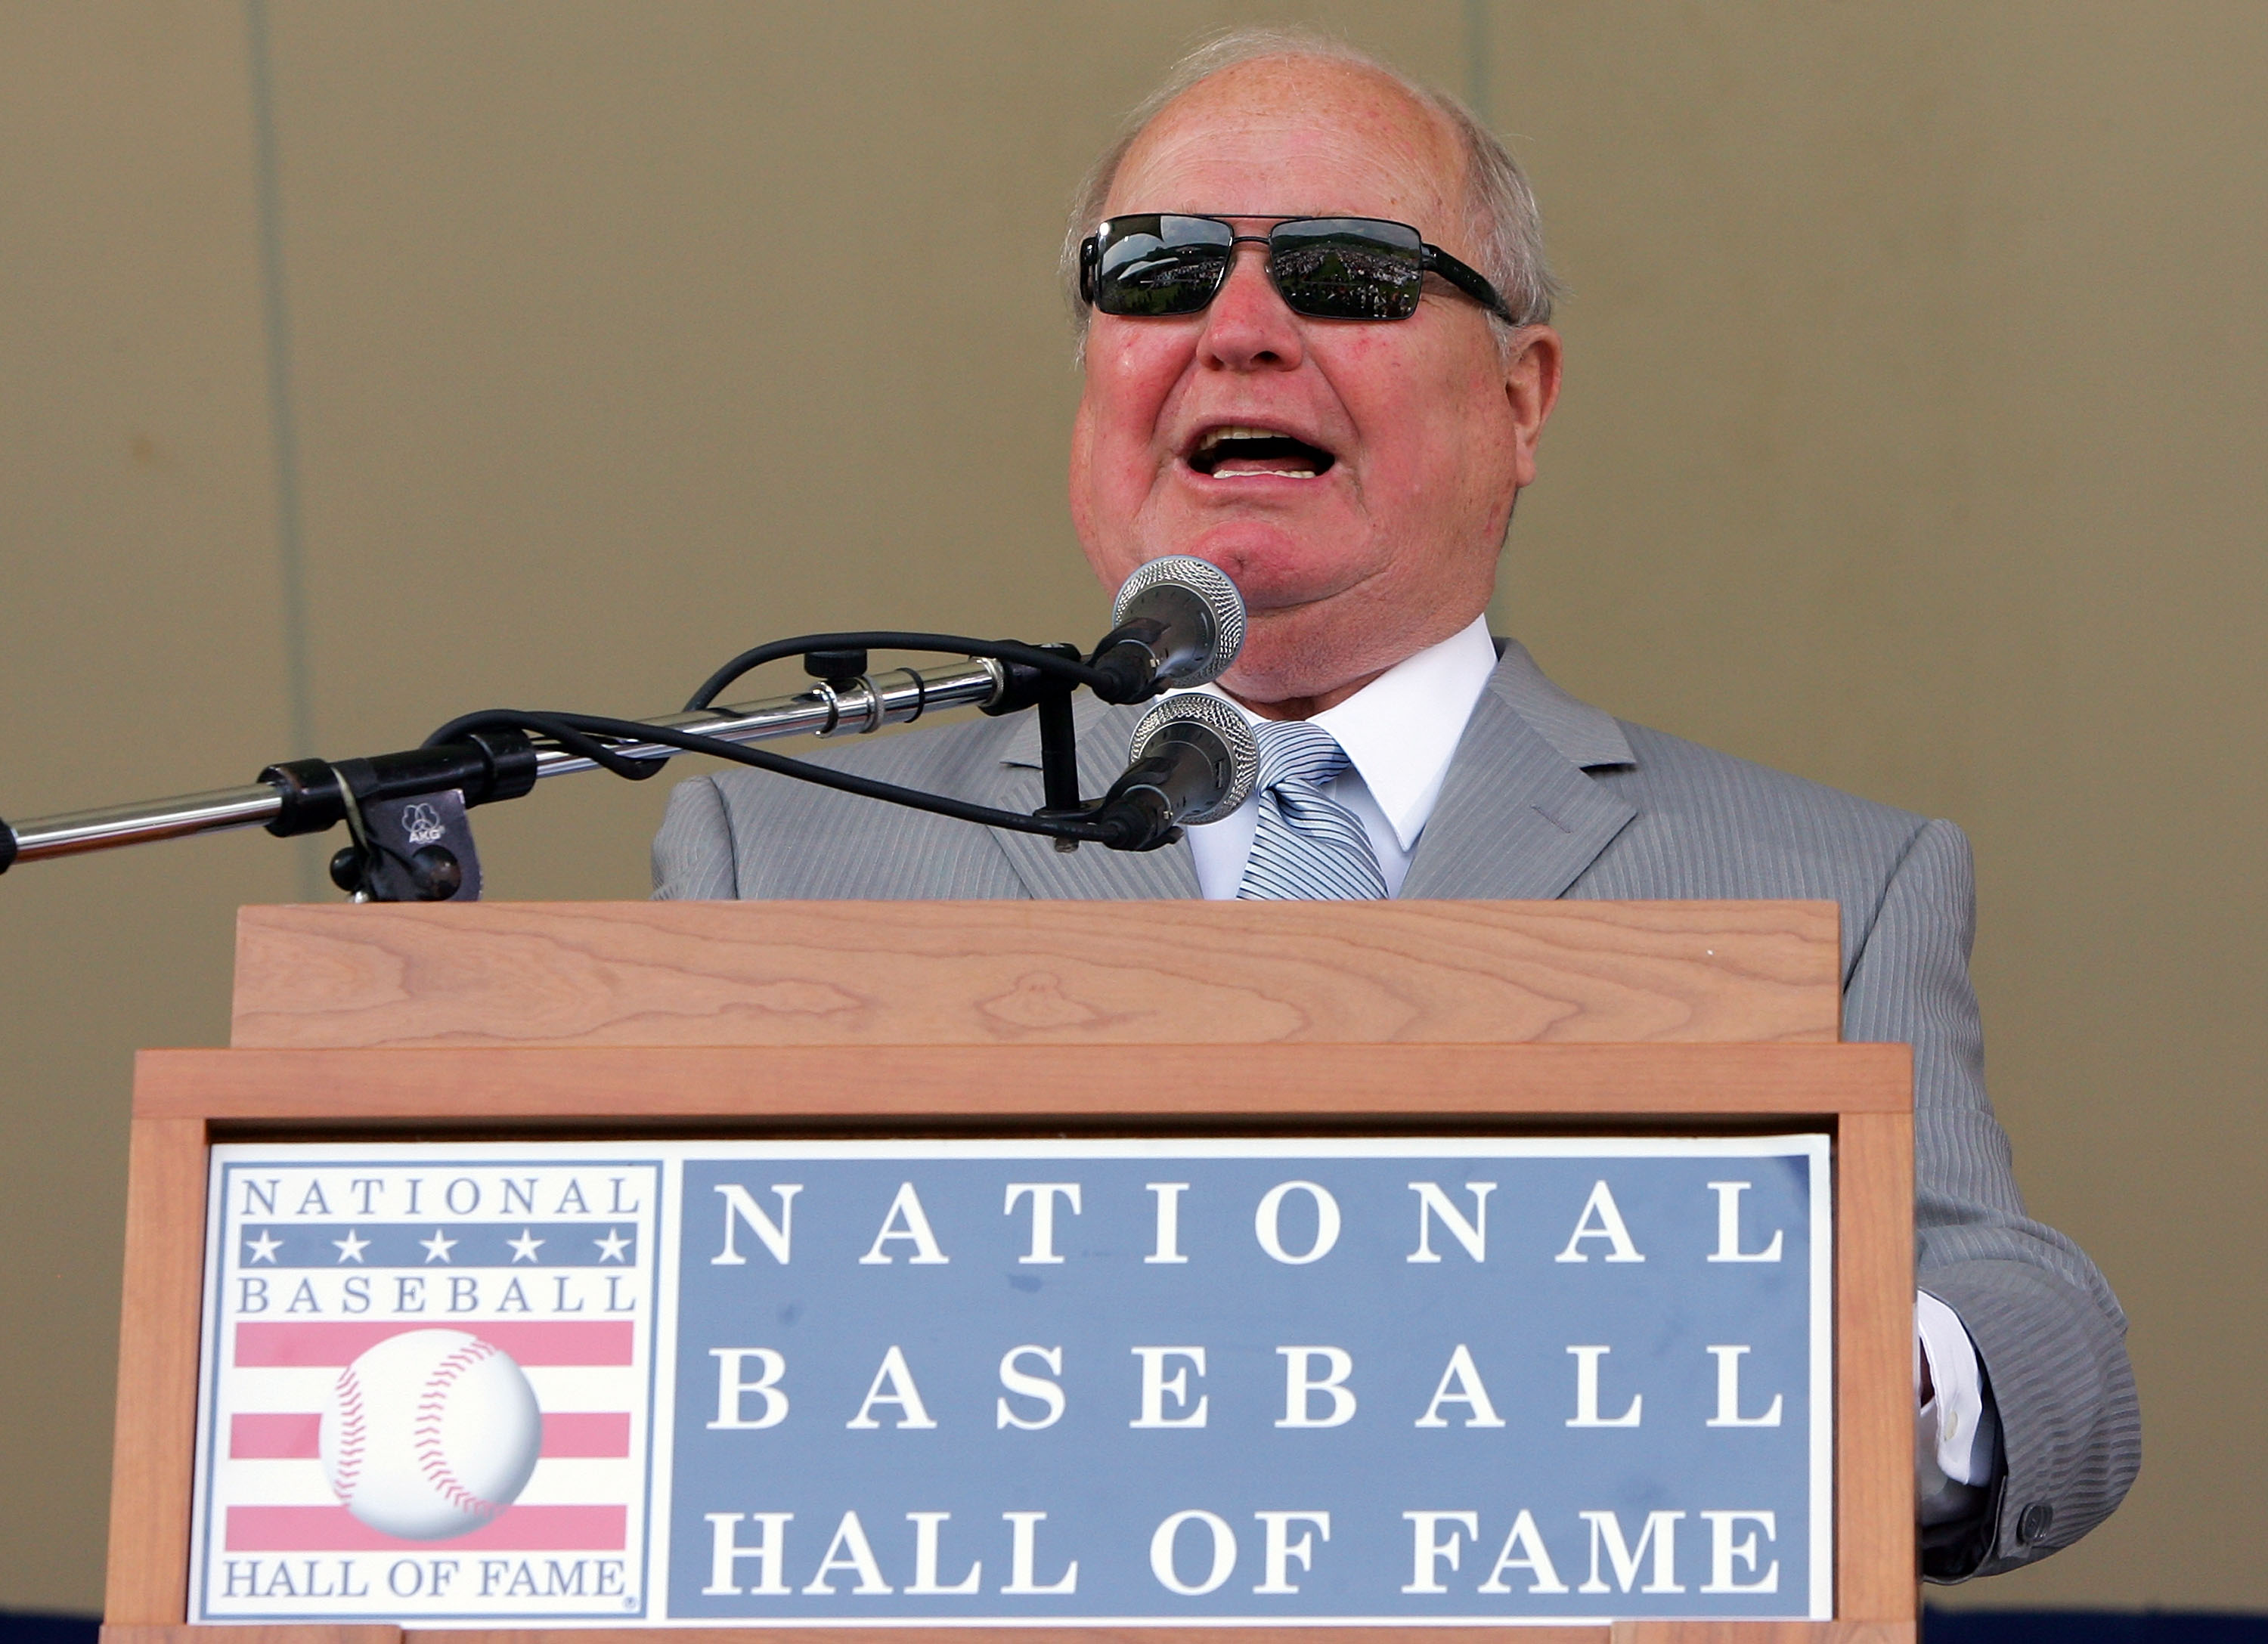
1326,268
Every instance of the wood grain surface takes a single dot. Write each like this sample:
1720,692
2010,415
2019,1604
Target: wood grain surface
735,1018
155,1438
1030,1635
1621,1633
115,1632
1000,972
1762,1632
950,1086
1873,1360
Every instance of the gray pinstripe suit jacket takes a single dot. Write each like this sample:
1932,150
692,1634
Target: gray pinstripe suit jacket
1549,797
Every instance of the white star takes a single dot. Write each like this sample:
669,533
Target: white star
437,1247
264,1248
612,1246
524,1247
351,1247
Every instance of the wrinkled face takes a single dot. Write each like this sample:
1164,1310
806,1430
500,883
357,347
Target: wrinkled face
1354,478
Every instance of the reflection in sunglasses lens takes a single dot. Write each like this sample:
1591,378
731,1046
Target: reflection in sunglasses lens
1345,277
1142,275
1328,269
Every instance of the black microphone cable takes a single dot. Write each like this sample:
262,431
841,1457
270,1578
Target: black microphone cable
579,734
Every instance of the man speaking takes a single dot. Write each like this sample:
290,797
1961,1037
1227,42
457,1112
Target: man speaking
1313,311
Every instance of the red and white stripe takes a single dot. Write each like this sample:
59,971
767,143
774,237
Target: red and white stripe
277,1500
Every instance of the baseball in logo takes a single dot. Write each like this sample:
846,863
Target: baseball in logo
430,1434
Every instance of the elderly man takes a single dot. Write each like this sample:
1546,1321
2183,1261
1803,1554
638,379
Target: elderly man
1313,304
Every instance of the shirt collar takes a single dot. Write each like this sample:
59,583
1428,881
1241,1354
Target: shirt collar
1401,730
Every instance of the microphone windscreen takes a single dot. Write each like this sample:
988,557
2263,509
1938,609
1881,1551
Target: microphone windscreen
1187,594
1221,731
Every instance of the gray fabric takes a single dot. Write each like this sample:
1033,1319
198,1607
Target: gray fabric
1549,798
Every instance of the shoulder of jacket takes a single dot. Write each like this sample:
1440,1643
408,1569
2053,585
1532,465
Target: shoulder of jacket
1672,772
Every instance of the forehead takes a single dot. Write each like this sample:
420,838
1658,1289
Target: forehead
1297,136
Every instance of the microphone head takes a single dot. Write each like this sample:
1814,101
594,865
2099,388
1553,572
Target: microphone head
1219,731
1194,597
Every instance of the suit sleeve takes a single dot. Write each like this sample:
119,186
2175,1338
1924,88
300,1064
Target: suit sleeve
2048,1329
693,854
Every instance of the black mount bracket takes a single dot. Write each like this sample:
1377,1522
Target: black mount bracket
406,813
1050,694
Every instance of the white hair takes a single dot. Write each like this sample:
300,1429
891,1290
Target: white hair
1507,229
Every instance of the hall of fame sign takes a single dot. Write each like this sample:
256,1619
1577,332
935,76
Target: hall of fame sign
1406,1381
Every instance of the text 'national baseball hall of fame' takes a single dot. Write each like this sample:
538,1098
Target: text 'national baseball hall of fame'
1410,1380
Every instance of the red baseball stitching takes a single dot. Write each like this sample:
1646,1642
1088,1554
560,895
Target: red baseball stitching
430,1461
348,1458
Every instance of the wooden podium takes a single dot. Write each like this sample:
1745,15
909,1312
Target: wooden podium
518,1021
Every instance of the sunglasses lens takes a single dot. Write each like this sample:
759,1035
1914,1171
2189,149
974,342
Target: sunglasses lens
1348,268
1160,265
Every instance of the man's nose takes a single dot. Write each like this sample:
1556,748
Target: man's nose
1248,327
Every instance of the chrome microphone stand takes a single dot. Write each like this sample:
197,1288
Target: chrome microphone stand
847,705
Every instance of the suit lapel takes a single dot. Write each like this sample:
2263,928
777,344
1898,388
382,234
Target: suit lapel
1517,819
1091,873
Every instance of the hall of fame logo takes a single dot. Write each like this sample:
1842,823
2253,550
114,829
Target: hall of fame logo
1421,1381
426,1382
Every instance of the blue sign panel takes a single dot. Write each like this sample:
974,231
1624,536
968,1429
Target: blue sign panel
1411,1381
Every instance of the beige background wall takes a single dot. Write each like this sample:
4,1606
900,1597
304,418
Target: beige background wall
362,365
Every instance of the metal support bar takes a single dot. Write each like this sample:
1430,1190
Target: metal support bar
839,707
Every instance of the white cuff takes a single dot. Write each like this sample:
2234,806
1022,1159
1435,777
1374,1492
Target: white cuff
1955,1437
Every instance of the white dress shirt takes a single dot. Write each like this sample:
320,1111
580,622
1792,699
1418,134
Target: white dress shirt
1400,732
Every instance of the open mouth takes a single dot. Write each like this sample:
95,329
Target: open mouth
1235,452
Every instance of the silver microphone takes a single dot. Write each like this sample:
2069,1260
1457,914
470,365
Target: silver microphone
1193,760
1177,622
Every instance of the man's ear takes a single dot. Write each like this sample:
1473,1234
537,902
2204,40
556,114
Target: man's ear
1531,388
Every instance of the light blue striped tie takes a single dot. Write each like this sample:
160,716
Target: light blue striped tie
1307,845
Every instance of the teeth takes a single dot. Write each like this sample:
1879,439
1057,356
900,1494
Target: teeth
1276,473
1215,436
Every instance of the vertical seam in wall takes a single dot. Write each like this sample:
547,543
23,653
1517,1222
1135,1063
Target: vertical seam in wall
1477,59
290,549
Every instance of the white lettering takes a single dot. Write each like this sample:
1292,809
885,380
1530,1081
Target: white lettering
1728,1227
1729,1394
1301,1386
732,1389
903,1393
906,1220
1327,1222
858,1556
1157,1386
1527,1542
1428,1548
1169,1221
726,1552
1660,1529
1281,1549
1723,1550
926,1552
1023,1560
1028,1386
1587,1393
1601,1218
1431,1202
1043,1195
739,1206
1479,1413
1224,1552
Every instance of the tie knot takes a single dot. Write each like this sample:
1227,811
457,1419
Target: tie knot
1297,750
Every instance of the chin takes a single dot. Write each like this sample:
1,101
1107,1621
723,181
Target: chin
1275,567
1281,674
